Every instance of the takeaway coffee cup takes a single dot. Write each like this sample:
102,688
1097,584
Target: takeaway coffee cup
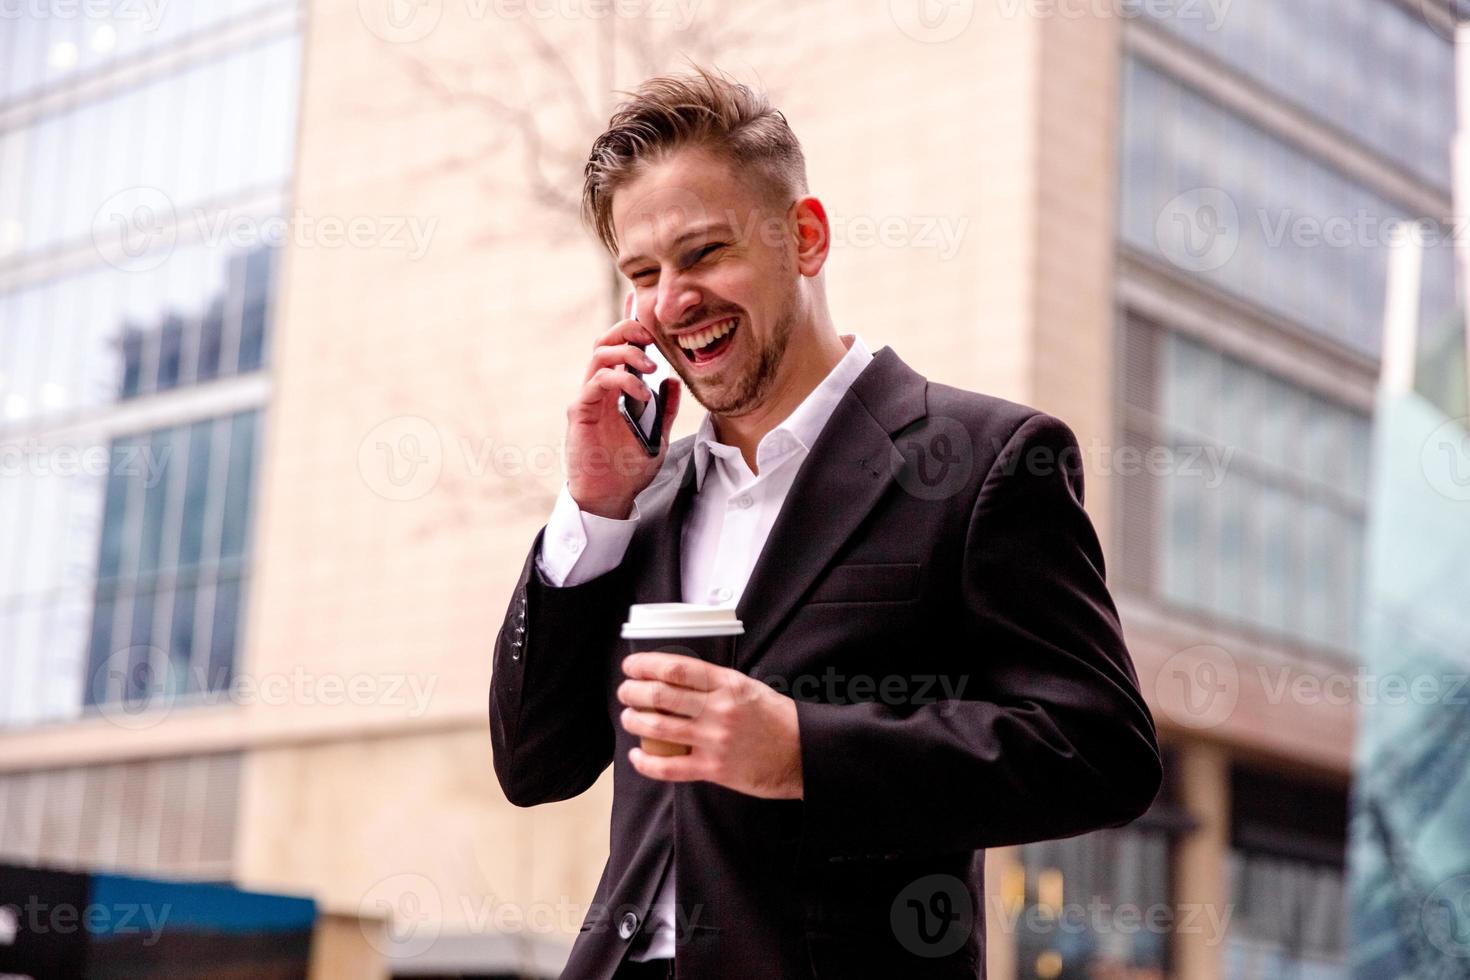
690,628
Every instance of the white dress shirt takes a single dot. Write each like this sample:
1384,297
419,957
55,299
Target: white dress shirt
726,528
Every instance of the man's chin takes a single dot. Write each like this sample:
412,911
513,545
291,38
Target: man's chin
720,397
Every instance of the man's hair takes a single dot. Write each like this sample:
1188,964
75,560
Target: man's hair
703,109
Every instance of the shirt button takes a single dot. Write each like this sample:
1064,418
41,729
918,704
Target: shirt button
573,545
628,926
743,501
722,594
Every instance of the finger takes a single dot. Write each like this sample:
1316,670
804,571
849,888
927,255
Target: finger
672,668
658,696
599,396
615,357
624,332
654,724
606,381
668,768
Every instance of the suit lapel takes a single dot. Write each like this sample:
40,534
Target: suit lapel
846,472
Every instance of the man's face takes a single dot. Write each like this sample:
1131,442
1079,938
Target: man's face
708,255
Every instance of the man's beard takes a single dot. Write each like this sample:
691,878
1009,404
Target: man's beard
750,389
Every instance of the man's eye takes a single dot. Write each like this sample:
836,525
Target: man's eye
697,256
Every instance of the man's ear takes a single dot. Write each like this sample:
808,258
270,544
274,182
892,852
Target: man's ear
813,234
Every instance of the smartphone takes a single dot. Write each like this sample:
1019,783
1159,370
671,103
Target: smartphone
646,419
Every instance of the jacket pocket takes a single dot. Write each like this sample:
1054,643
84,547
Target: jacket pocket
867,582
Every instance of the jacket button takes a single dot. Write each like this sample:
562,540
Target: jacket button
628,926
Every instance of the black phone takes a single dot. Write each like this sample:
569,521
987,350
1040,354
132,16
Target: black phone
646,419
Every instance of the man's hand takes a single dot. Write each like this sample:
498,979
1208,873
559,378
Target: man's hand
606,465
742,733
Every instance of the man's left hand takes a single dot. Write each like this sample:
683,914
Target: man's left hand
742,733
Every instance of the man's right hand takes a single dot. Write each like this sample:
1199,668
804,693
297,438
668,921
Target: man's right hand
606,464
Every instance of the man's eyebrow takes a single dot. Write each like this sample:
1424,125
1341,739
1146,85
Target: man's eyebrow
718,228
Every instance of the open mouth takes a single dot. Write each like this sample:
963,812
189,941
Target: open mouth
710,343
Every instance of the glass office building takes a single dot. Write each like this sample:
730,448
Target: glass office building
146,155
1264,161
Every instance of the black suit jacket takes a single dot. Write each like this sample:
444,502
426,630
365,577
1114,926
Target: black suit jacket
932,594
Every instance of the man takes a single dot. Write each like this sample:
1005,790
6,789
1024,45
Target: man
931,663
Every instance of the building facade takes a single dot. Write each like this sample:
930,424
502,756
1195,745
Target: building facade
291,296
134,378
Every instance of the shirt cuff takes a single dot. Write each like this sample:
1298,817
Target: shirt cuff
578,546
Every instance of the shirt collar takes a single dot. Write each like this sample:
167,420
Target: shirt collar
799,429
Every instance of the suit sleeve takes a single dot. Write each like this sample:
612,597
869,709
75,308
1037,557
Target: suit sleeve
1050,736
550,733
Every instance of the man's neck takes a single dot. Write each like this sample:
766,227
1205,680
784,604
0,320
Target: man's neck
808,369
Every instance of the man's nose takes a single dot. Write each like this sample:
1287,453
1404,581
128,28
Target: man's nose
674,301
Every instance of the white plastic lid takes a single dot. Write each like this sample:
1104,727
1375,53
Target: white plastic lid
660,620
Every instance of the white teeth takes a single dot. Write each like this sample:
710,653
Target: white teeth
694,341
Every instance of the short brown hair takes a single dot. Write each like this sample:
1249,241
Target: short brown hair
705,109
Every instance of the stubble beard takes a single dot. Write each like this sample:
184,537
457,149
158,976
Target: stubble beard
748,391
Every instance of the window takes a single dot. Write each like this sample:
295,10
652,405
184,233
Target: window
1373,68
116,338
82,342
1089,904
132,167
171,569
175,816
1297,238
73,41
1253,512
1286,865
134,336
1099,904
